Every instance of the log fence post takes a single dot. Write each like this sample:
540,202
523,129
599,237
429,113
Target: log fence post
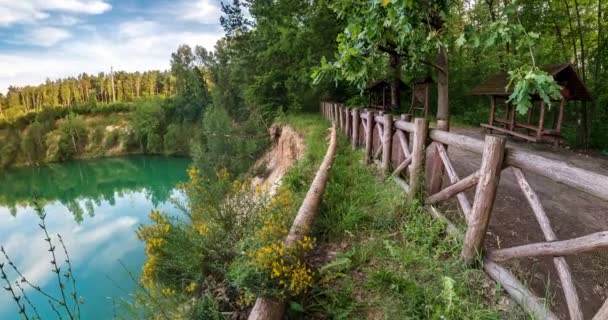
343,113
334,114
421,127
347,112
355,128
341,117
369,137
489,176
387,143
434,177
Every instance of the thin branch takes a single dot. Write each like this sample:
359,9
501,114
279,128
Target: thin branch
432,64
27,299
70,274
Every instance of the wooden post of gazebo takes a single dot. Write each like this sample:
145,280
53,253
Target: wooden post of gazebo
377,91
420,96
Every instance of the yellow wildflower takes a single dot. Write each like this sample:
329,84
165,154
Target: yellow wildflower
191,287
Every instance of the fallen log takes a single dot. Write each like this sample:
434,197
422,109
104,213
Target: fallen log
271,309
518,291
602,314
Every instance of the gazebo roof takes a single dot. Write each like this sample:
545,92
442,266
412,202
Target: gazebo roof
422,80
564,74
382,84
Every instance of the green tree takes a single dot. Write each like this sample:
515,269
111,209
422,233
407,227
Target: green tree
177,139
10,147
72,136
33,144
148,121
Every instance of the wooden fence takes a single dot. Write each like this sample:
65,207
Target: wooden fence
399,145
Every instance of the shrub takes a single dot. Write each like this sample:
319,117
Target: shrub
224,144
154,143
112,139
148,121
72,136
97,135
33,144
268,268
10,148
176,139
193,256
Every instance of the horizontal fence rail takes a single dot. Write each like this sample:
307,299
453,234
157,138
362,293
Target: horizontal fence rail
399,145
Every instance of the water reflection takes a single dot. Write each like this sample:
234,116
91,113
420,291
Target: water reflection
80,186
106,199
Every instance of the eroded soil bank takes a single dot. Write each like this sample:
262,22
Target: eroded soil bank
287,147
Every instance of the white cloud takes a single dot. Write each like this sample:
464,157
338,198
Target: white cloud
138,46
29,11
65,20
202,11
78,6
45,36
138,28
19,12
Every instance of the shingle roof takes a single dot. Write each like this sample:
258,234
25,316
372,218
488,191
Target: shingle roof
564,74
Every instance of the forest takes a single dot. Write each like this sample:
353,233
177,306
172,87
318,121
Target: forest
102,88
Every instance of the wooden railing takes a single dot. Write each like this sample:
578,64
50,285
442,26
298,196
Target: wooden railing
399,145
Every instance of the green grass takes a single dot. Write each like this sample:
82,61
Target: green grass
382,257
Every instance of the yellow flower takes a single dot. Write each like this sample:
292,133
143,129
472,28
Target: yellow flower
191,287
202,228
167,291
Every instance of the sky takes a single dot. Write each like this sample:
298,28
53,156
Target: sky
42,39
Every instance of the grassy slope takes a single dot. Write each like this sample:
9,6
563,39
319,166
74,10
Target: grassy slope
380,257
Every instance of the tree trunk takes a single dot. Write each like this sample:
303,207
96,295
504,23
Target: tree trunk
558,33
395,63
585,130
443,107
434,177
582,119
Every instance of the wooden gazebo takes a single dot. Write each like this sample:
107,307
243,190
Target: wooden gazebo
380,93
536,125
420,96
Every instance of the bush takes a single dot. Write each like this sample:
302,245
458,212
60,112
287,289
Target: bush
33,144
72,137
268,268
97,135
10,148
148,121
225,145
176,140
193,256
154,143
112,139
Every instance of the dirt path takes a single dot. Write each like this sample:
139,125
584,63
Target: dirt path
572,214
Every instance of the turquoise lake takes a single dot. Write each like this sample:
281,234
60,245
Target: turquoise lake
96,206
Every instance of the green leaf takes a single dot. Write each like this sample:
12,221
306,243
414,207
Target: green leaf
461,40
337,265
296,306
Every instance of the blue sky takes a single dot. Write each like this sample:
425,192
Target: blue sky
42,39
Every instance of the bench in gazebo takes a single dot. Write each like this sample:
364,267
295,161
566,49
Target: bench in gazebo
536,126
380,93
420,96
